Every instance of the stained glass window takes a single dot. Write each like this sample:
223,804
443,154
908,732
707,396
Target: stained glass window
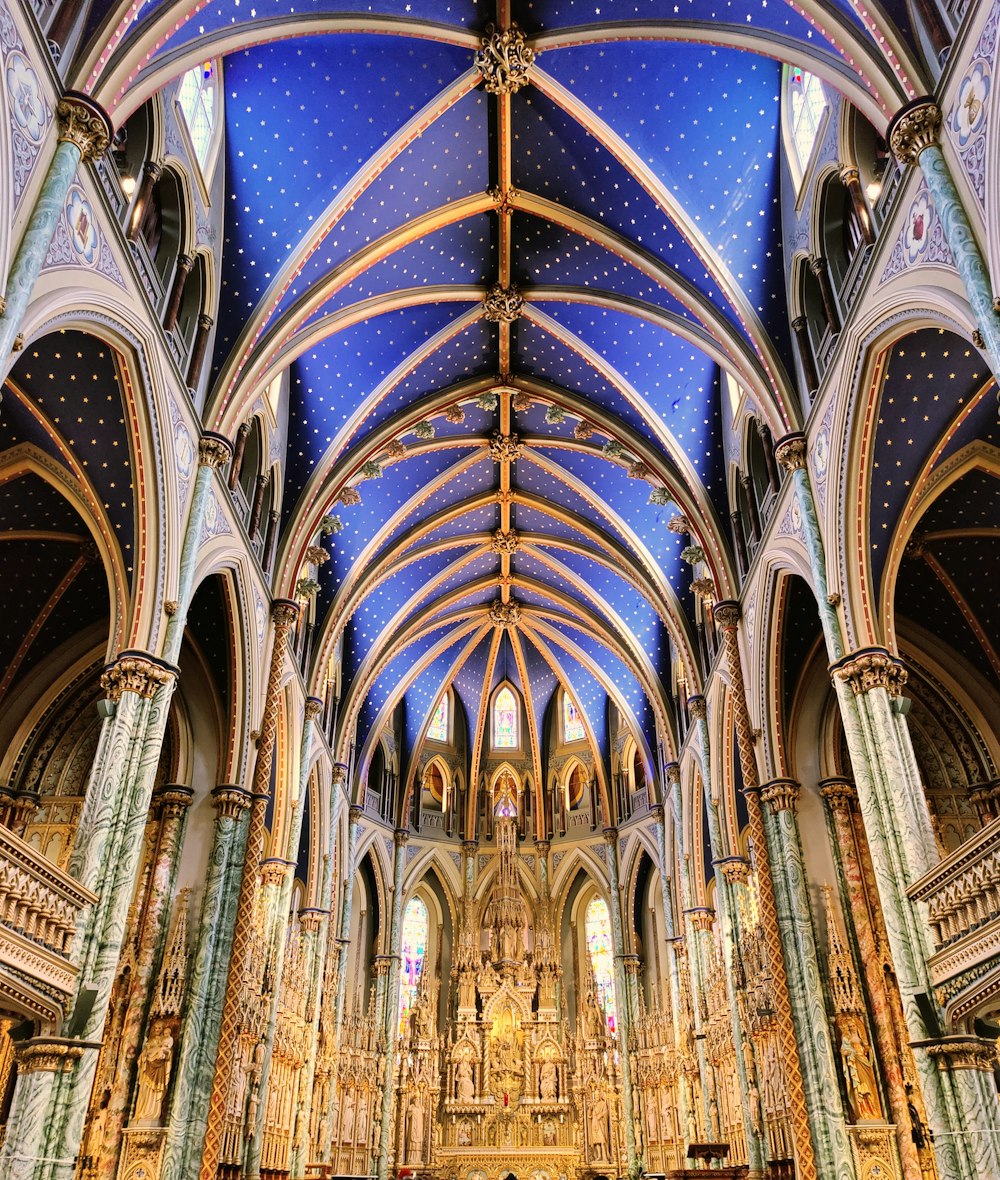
197,97
597,927
414,947
437,731
808,103
505,720
572,721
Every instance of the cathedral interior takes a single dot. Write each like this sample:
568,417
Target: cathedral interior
510,685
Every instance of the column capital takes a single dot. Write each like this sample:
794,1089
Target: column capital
656,811
849,173
817,263
205,321
284,612
632,964
799,324
401,837
790,451
338,775
735,869
311,919
138,672
275,869
839,792
185,262
84,123
173,800
961,1052
356,812
469,847
913,128
230,800
314,706
48,1054
673,772
702,916
871,667
697,707
214,449
780,794
542,847
727,614
610,837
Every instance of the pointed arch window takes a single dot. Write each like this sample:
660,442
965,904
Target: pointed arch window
805,115
597,928
505,720
572,721
437,731
198,99
413,951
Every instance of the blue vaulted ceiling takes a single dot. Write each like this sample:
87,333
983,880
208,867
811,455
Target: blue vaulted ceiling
374,193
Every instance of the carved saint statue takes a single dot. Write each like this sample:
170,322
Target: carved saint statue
756,1112
154,1074
423,1022
465,1090
414,1129
362,1122
549,1134
465,1133
548,1082
597,1126
862,1088
347,1124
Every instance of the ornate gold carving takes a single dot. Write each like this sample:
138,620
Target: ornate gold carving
790,452
317,555
135,673
916,127
702,917
962,1053
397,450
503,198
872,668
698,708
41,1055
521,401
313,708
401,837
338,776
735,869
504,614
348,496
727,614
505,448
173,800
214,450
83,123
505,541
284,612
170,607
781,794
839,793
583,430
673,772
273,871
455,414
502,305
230,801
640,470
703,588
679,524
504,59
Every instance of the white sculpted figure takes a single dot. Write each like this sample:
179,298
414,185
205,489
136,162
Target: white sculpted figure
597,1125
548,1080
414,1129
465,1089
154,1074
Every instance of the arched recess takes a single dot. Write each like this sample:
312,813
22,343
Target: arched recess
367,912
434,895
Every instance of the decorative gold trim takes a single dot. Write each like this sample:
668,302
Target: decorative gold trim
914,129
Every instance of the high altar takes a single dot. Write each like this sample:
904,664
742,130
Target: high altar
509,1083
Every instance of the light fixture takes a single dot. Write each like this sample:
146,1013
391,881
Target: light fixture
128,185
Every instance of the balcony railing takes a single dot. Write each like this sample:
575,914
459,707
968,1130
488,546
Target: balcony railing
39,908
962,895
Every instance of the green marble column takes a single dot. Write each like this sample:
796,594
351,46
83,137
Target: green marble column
278,901
834,1158
40,1063
625,1022
914,136
346,904
755,1134
85,133
188,1107
672,939
390,1032
883,816
106,927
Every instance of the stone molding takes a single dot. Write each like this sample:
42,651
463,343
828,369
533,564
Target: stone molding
138,672
871,667
780,794
504,59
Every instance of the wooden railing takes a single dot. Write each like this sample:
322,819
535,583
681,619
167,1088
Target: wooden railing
962,895
39,908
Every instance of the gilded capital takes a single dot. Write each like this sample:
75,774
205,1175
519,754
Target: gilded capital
173,800
849,173
135,672
735,869
916,127
214,449
962,1052
790,452
310,921
502,305
230,800
611,837
338,776
702,917
504,59
871,667
697,707
83,123
402,837
314,706
839,793
726,614
673,772
317,555
780,794
47,1055
356,811
274,870
284,612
